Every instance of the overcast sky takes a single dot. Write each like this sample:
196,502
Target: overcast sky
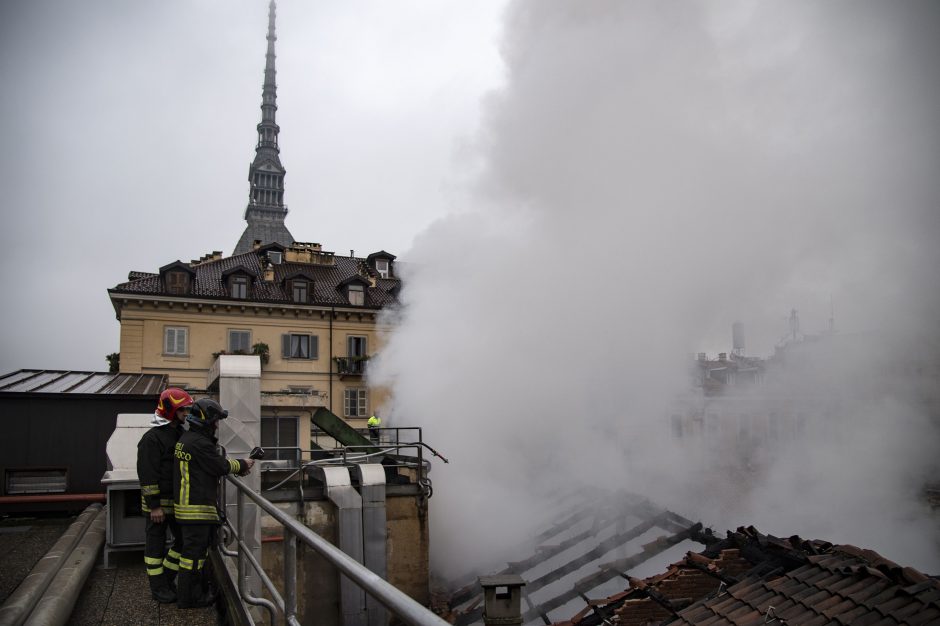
129,127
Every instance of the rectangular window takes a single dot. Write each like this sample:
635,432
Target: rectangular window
355,402
275,257
299,288
240,287
239,341
356,351
297,346
279,432
357,296
381,266
174,340
356,345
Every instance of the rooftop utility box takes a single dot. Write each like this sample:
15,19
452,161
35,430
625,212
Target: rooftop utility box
502,599
126,524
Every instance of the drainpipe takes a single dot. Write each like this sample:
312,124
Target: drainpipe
56,605
348,503
374,532
23,600
56,497
330,363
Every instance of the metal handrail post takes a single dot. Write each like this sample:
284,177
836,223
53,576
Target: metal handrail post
395,600
290,575
241,569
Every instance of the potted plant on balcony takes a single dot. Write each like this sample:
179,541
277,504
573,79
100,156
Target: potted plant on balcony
262,350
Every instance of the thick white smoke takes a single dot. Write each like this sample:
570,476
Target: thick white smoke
653,171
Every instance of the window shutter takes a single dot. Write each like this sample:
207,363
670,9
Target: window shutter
181,341
314,347
285,346
362,402
169,340
346,403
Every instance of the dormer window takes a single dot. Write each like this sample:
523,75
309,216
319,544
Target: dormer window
275,257
381,266
239,287
381,263
177,278
356,294
300,290
177,282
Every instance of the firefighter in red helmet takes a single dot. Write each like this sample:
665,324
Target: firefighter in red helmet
155,470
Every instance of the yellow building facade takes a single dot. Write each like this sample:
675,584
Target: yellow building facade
312,316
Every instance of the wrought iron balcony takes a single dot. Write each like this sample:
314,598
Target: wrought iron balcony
351,365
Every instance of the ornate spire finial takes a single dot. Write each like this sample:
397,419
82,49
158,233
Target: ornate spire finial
266,209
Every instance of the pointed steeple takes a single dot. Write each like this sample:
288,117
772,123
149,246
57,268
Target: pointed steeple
266,210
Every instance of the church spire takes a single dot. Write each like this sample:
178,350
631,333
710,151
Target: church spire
266,210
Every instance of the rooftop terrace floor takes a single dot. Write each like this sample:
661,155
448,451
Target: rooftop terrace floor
119,596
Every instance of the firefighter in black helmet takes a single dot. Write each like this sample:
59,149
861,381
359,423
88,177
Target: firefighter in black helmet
196,474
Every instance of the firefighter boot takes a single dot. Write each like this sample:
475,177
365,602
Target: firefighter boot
160,590
190,591
170,579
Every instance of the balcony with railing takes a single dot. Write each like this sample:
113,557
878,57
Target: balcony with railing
350,365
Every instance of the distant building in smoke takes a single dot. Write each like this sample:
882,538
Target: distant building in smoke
312,315
744,410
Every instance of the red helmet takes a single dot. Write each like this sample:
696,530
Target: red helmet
172,400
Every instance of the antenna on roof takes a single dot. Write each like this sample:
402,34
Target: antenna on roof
794,324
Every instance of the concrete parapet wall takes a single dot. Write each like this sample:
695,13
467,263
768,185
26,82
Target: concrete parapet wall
318,587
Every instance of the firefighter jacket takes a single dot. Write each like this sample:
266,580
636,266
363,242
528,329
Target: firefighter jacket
155,464
196,472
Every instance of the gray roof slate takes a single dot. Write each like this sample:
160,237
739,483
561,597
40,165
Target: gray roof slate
326,278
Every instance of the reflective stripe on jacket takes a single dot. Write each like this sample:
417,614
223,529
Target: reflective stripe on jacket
197,468
155,466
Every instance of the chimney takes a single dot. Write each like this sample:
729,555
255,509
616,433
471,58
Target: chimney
737,339
269,272
502,599
722,356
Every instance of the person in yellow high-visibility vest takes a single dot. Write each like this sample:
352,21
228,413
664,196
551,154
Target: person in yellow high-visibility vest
373,423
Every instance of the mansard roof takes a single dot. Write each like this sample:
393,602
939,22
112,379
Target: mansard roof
381,254
209,282
175,265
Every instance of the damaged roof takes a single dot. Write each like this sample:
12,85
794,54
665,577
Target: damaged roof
750,578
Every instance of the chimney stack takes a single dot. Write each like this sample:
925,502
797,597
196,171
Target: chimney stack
502,599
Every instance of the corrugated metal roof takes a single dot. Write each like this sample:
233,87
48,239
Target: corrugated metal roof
65,381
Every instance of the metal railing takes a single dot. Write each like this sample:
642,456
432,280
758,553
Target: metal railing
407,609
389,448
351,365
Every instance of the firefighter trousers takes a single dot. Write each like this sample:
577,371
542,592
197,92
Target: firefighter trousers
156,556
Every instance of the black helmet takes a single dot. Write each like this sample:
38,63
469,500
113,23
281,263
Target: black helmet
206,412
